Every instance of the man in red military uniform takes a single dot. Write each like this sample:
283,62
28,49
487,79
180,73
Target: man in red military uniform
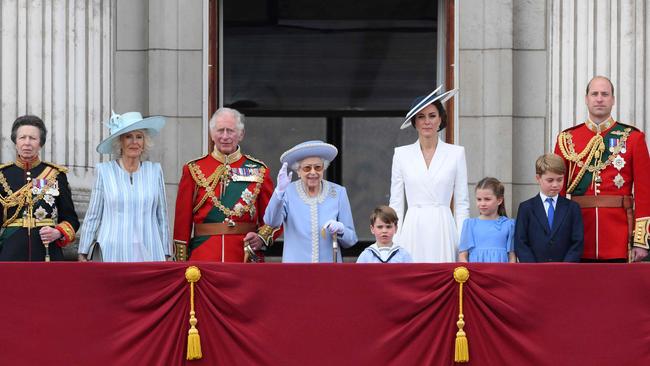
608,175
221,199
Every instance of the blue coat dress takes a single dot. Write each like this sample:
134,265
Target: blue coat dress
127,214
303,218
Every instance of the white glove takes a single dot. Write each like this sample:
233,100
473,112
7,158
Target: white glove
334,227
284,179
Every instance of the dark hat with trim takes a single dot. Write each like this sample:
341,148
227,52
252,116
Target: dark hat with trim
422,102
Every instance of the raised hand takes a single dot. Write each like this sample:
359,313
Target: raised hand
284,179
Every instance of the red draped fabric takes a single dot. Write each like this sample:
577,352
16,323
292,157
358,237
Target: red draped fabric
327,314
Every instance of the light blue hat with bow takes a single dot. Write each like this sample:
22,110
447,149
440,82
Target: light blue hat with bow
120,124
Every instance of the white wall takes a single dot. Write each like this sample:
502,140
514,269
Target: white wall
605,37
524,66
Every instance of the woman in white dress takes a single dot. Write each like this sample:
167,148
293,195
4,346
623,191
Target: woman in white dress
425,177
127,213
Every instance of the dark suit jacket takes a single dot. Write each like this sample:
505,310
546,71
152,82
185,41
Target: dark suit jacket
535,241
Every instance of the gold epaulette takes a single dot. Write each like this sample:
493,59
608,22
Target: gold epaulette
573,127
2,166
60,168
628,126
255,160
197,159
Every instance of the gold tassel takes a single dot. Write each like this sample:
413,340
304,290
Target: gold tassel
461,351
193,274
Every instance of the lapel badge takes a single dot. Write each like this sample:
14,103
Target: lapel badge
332,192
618,162
619,181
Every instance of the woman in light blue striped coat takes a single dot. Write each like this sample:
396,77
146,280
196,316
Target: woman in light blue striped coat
127,215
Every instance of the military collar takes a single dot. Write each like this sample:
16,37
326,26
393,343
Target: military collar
23,164
599,127
227,159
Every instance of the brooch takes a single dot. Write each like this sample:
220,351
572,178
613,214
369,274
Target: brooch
40,213
618,162
247,196
49,199
619,181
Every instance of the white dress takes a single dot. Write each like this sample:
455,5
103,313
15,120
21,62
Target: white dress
428,230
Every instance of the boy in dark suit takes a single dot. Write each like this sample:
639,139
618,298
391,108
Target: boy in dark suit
549,226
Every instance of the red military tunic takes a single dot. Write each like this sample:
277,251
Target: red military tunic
606,165
229,194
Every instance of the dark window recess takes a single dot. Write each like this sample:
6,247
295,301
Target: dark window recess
328,56
334,64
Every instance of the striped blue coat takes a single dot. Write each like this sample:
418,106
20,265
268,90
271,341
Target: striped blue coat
127,214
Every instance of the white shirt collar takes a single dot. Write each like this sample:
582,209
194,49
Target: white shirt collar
544,197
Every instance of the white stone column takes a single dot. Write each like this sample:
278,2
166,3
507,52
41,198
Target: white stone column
602,37
56,64
486,90
529,96
159,70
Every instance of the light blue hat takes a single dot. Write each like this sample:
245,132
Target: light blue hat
307,149
120,124
422,102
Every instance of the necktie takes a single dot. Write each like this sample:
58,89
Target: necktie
550,212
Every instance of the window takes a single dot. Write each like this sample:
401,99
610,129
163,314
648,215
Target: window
340,71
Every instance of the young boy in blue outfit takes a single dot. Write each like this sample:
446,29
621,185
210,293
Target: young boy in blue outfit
549,226
383,225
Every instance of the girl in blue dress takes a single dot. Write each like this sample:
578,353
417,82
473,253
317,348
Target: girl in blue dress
489,237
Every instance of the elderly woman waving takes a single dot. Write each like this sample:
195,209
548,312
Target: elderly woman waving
127,214
313,211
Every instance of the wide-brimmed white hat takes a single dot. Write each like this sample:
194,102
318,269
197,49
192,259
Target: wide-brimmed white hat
120,124
422,102
308,149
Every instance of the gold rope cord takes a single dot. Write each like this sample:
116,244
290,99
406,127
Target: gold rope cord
461,350
209,185
192,275
18,199
594,149
595,144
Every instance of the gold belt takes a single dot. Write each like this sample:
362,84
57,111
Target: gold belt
31,222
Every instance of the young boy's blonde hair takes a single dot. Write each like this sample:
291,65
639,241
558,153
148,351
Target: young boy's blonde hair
550,163
385,214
